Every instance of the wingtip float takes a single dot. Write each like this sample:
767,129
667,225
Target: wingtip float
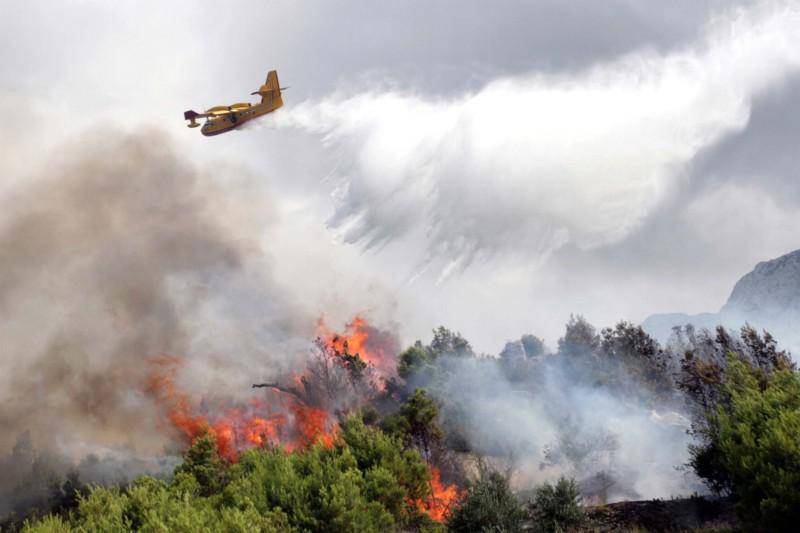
220,119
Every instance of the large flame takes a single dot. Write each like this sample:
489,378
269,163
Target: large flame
284,421
377,348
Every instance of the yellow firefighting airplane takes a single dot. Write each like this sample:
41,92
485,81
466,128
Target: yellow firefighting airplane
220,119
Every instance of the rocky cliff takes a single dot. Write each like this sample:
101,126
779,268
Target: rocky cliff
768,297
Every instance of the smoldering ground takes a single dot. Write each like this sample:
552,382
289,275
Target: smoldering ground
120,252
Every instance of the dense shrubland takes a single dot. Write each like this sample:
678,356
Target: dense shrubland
365,482
740,393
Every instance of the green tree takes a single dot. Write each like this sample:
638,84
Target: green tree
420,361
704,369
758,442
633,362
488,505
416,423
415,360
202,461
580,338
533,345
365,482
557,507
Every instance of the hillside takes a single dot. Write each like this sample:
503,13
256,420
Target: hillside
768,297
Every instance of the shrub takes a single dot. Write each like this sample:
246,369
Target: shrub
365,482
489,506
557,507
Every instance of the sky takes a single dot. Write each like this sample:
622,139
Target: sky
490,167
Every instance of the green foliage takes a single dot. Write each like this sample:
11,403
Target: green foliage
489,506
366,482
623,359
415,423
202,461
533,345
758,443
48,524
633,362
420,361
519,358
580,338
706,377
557,507
414,360
372,448
448,343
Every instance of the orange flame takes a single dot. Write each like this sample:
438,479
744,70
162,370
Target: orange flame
443,497
377,348
287,420
236,428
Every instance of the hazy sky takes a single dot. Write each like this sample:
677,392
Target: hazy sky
488,166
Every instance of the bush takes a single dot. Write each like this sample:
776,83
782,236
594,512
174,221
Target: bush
489,505
557,507
365,482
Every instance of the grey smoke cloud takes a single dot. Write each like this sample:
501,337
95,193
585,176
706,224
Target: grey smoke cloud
124,251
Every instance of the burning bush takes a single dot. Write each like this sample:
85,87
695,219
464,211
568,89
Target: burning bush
365,481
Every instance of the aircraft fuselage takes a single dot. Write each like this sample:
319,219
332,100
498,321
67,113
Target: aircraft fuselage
217,125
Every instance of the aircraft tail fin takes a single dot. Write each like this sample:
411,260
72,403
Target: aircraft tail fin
272,81
271,91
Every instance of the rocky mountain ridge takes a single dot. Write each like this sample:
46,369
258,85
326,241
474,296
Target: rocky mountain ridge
768,297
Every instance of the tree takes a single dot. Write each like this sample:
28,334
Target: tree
580,338
448,343
414,360
757,438
533,345
519,357
633,362
203,462
489,505
421,365
704,369
557,507
416,423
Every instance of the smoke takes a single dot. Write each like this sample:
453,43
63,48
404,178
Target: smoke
122,252
530,163
552,422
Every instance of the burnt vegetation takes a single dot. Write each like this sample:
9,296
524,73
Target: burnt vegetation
412,452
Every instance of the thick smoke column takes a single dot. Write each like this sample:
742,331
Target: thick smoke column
530,163
123,252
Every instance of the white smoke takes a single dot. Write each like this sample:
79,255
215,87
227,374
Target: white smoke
553,423
529,163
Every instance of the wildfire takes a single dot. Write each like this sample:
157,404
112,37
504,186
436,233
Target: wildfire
443,497
286,421
376,347
284,417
